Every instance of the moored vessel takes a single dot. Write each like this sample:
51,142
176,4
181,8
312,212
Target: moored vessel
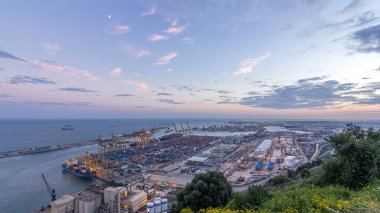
79,169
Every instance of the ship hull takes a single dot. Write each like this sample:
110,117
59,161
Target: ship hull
82,176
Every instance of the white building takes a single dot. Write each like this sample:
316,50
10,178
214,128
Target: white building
195,160
263,149
64,204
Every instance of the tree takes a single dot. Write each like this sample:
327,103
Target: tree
356,161
305,173
278,180
206,190
251,200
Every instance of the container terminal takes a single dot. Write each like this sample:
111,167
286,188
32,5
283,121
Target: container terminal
141,174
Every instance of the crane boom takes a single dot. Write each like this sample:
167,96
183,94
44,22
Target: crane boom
175,128
50,189
182,127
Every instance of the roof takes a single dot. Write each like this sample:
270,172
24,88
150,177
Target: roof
198,159
88,195
178,179
136,195
62,200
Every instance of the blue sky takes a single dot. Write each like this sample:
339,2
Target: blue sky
297,59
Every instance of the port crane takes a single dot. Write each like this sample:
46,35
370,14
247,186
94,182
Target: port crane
50,189
175,128
189,129
183,130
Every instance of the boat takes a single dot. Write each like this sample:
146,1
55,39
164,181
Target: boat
78,169
67,127
171,136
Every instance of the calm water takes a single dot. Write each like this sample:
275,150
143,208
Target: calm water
20,177
21,182
17,134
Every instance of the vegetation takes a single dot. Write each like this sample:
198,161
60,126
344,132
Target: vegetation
305,173
252,199
357,158
348,182
309,165
278,180
206,190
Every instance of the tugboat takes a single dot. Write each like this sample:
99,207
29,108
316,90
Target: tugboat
78,168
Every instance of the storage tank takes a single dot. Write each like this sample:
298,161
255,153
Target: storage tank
150,207
164,205
157,206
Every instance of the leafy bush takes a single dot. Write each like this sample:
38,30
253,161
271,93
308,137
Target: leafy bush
278,180
206,190
252,199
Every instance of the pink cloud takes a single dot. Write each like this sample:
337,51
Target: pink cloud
247,65
140,85
166,59
174,29
149,12
65,70
121,29
135,52
157,37
143,87
116,71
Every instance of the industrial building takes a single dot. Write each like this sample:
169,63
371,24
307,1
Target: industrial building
64,204
262,150
158,205
291,162
110,199
195,160
178,181
136,200
87,201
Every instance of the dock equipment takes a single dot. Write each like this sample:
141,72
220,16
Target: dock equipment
259,165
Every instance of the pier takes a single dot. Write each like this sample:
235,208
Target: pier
49,148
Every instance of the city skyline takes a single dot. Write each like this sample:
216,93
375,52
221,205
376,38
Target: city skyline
190,59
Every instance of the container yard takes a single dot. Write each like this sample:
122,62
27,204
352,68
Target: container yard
142,173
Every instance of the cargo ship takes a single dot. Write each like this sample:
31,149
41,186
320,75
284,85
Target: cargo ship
78,169
67,127
171,136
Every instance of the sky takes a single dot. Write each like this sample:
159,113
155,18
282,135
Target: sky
250,59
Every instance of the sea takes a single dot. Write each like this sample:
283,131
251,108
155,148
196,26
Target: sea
21,185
